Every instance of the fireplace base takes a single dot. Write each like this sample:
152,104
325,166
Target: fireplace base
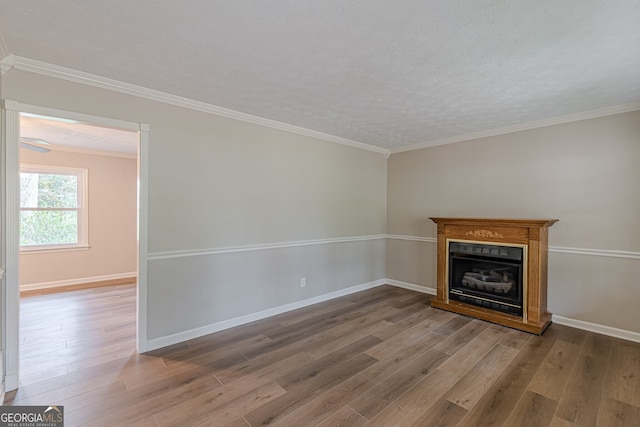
535,327
530,234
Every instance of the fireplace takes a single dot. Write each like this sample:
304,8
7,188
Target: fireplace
485,275
495,270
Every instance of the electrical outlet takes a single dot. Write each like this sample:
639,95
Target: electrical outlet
303,282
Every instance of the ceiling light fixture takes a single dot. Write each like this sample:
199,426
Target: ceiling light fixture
34,144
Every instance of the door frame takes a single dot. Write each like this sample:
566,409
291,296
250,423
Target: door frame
10,226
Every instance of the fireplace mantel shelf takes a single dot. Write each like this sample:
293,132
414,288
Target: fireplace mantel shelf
530,233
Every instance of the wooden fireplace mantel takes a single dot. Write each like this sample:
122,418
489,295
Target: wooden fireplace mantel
530,232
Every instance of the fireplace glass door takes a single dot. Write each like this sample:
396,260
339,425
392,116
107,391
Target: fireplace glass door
487,275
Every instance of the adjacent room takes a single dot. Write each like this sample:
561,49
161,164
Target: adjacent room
76,180
382,214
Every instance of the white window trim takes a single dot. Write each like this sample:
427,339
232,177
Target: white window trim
83,210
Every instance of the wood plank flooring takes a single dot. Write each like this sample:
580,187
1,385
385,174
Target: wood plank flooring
381,357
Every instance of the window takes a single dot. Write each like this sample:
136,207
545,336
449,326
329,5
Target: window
52,207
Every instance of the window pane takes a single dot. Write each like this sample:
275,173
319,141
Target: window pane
48,227
48,191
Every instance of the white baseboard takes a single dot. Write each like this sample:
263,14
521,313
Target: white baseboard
81,280
168,340
597,328
411,286
578,324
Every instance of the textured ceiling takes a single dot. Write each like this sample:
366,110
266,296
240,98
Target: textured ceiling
390,74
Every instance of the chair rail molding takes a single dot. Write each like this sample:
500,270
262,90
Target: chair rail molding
611,253
154,256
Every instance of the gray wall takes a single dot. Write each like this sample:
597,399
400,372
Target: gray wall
217,183
586,174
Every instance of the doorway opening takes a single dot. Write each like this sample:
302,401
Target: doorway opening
75,223
78,213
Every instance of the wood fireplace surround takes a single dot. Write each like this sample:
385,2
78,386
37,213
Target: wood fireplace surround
529,234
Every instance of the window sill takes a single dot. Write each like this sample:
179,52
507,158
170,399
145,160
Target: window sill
40,250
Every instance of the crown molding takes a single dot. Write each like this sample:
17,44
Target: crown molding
12,61
568,118
68,74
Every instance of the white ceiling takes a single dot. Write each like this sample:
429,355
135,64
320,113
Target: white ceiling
389,74
69,135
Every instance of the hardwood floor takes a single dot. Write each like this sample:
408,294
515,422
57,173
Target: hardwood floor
381,357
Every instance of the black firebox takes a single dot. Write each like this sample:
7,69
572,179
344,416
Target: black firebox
487,275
